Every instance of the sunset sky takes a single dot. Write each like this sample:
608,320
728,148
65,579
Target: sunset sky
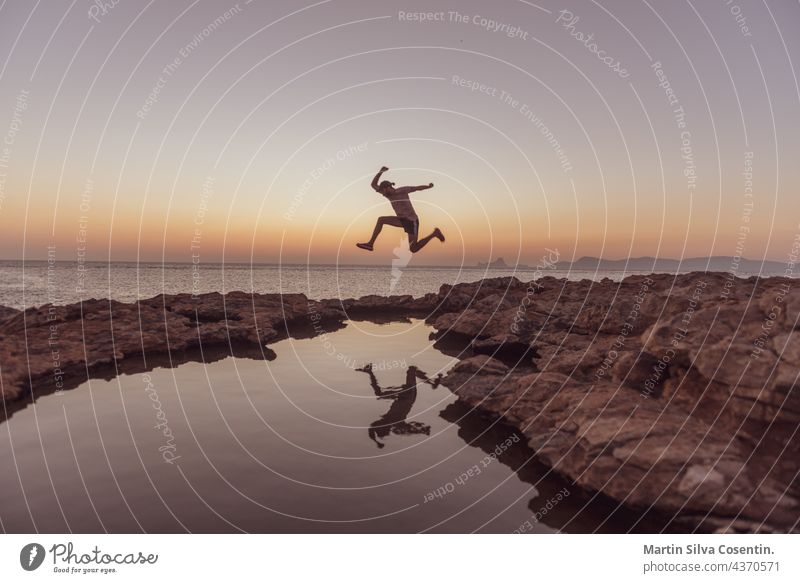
251,131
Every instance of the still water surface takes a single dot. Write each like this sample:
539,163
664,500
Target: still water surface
304,442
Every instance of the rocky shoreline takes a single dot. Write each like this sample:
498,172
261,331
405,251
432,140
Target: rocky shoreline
667,393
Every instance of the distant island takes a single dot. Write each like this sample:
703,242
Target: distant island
715,263
655,264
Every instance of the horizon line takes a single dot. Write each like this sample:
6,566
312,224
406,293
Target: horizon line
477,265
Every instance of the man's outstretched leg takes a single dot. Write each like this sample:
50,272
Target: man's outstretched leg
393,221
415,245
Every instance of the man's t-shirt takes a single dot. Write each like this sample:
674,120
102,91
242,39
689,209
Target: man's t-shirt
402,205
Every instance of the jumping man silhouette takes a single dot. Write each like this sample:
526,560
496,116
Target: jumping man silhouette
406,218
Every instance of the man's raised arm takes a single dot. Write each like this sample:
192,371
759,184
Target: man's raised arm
378,177
407,189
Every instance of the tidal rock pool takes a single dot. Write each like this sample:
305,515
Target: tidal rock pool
350,431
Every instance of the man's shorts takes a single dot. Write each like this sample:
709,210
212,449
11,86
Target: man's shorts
410,226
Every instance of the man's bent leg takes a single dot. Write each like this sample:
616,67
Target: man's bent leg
393,221
417,245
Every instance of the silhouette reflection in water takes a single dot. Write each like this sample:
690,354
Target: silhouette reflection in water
403,398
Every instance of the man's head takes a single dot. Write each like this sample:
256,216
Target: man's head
386,187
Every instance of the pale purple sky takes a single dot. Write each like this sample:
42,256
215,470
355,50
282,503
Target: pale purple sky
270,119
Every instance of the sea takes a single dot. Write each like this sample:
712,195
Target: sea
36,283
